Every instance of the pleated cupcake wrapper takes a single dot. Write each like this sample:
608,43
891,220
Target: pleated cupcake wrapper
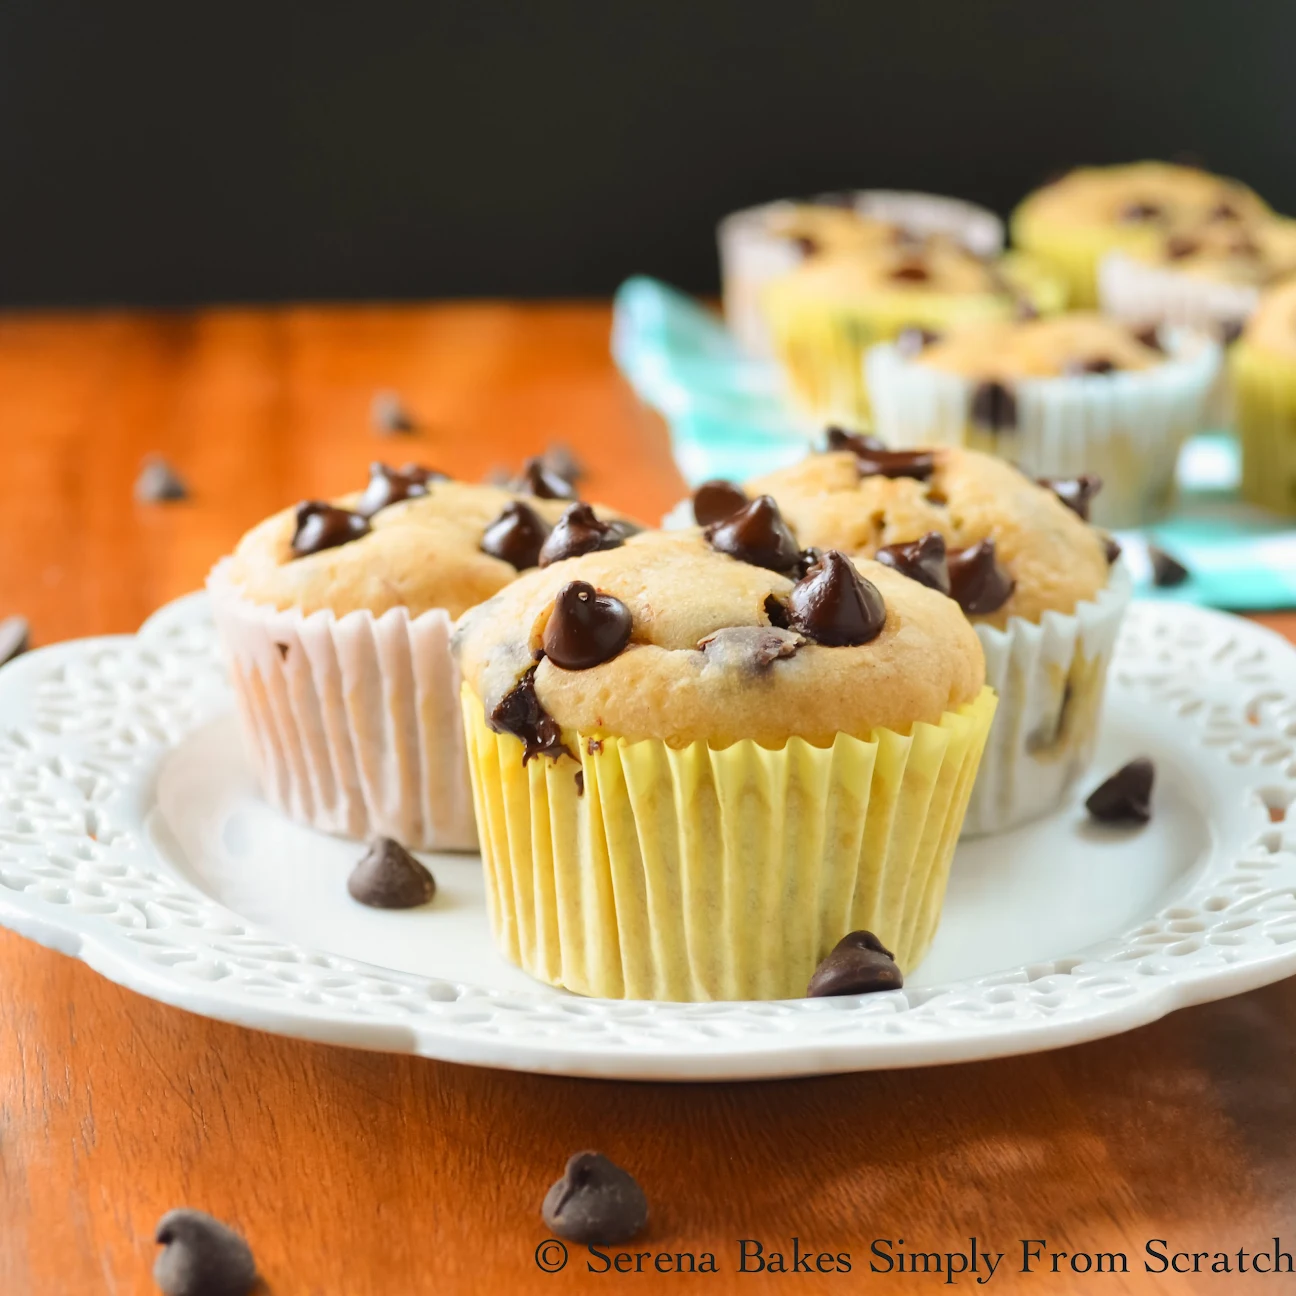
697,873
1128,427
1264,389
750,256
352,722
1050,679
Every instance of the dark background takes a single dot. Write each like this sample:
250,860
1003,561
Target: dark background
180,153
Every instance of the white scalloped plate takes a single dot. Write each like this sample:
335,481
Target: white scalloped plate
130,837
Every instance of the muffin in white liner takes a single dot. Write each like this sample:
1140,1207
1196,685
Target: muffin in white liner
335,620
1142,292
761,243
1126,425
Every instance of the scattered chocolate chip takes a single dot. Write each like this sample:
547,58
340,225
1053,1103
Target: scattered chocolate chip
1231,330
912,341
922,560
283,650
321,526
776,612
516,536
749,647
758,535
15,638
585,628
856,442
806,246
716,500
1178,246
594,746
389,877
834,605
1150,336
388,414
1089,365
536,480
201,1257
595,1202
1126,797
911,271
977,583
918,464
391,485
580,782
1112,548
858,964
1140,211
578,532
994,407
1167,571
1077,493
159,483
519,713
561,460
1223,211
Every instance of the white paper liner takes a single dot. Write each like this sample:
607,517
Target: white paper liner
1128,427
750,255
352,722
1050,679
1140,293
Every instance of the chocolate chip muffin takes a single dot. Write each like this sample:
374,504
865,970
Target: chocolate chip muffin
701,758
1073,393
1019,558
1263,371
335,617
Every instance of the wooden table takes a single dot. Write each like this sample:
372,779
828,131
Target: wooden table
357,1174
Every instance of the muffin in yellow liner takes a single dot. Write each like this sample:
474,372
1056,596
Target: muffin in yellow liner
825,315
1262,365
1091,211
695,768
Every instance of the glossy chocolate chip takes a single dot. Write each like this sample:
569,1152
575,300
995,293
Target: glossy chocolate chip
918,464
753,648
1126,797
1150,336
912,341
977,583
535,479
520,713
716,500
994,407
516,536
858,964
389,877
1112,548
1082,365
834,605
585,628
1077,493
758,535
776,612
200,1256
577,532
1140,211
159,483
1167,571
911,271
391,485
857,443
922,560
595,1203
1178,246
321,526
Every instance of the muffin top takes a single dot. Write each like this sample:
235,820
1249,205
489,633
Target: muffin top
1043,554
1253,253
936,266
1147,196
827,227
1273,326
1072,344
414,539
694,636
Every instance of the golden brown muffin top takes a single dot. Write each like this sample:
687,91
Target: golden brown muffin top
1252,254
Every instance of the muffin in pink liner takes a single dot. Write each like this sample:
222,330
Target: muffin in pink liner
335,619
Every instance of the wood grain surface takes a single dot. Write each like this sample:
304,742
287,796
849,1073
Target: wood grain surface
357,1174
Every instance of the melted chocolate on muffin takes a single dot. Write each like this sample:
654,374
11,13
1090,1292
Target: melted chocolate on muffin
516,536
391,485
585,628
834,605
923,560
577,532
519,713
977,583
716,500
758,535
322,526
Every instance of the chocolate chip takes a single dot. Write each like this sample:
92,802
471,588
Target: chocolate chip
912,341
758,535
321,526
911,271
578,532
561,460
585,628
1167,571
388,414
1077,493
858,964
754,648
389,877
776,612
201,1257
857,443
1178,246
922,560
391,485
580,782
594,746
994,407
1223,211
1126,797
1140,211
834,605
15,638
806,246
1150,336
519,713
716,500
918,464
1089,365
536,480
1112,548
595,1202
283,650
159,483
977,583
1231,330
516,536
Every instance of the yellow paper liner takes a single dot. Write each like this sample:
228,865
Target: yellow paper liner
1264,392
697,873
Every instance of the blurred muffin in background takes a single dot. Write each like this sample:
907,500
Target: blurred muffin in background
1075,221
